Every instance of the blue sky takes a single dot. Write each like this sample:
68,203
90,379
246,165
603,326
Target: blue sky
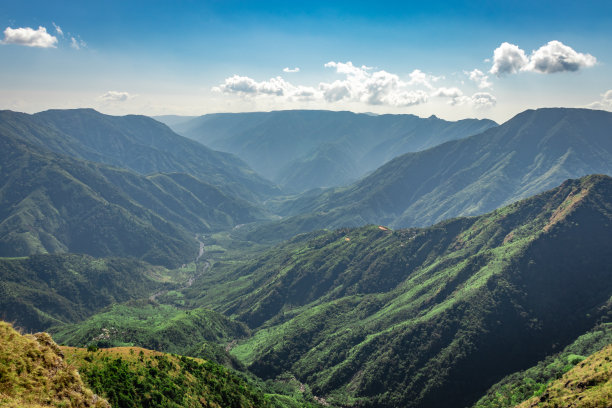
453,59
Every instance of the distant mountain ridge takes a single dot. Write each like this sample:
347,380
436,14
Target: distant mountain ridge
51,203
299,148
134,142
532,152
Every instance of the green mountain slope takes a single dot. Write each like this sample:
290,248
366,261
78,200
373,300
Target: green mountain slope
532,152
281,144
533,382
137,143
52,203
45,290
418,317
154,326
589,384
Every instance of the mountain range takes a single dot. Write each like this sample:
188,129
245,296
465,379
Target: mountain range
301,150
133,142
472,271
532,152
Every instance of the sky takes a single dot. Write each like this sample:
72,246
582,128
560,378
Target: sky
453,59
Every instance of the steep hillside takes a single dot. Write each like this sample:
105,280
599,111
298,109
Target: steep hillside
281,144
45,290
533,382
417,317
589,384
532,152
33,374
137,143
136,377
52,203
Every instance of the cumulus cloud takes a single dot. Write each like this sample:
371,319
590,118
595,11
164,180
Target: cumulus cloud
358,84
58,30
363,84
558,57
604,103
29,37
479,100
479,77
483,100
277,86
508,59
115,96
291,70
548,59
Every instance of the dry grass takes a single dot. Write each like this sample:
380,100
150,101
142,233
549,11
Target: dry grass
33,373
588,385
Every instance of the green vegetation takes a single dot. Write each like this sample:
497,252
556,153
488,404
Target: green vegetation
135,377
588,385
43,290
533,382
52,204
417,317
198,332
33,374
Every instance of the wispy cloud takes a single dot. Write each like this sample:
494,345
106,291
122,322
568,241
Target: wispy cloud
29,37
291,70
548,59
116,96
58,30
77,44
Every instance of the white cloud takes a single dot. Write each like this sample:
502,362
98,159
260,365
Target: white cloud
115,96
418,77
479,77
375,88
246,86
77,44
58,30
479,100
359,84
548,59
508,59
291,70
483,100
558,57
29,37
604,103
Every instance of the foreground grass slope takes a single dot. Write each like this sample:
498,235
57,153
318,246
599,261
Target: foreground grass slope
418,317
588,385
33,374
533,382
